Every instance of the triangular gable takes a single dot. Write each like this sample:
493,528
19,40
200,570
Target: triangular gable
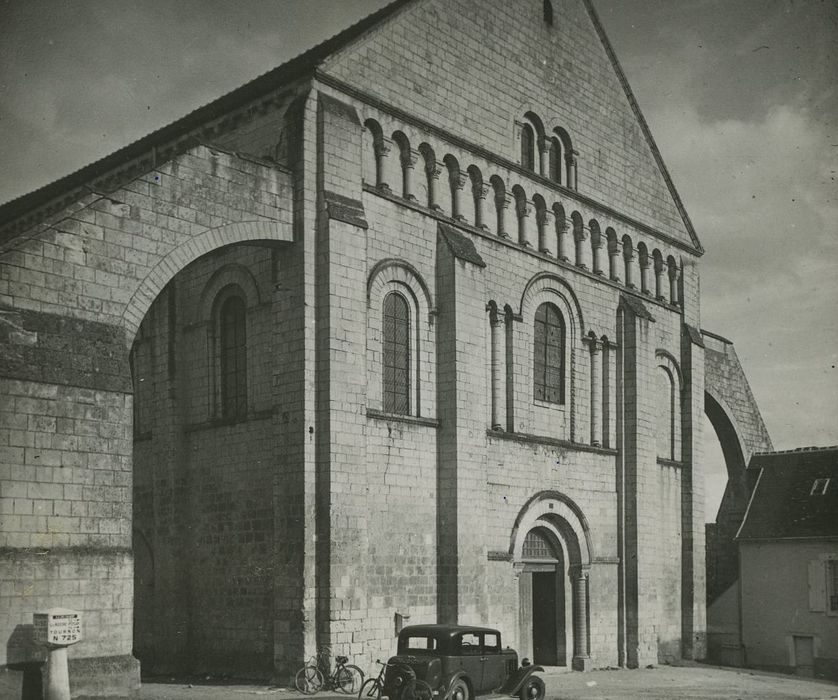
472,67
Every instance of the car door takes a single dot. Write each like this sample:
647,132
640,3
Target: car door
494,663
470,649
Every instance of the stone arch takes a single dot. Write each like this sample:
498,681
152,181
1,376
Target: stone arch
372,142
734,447
549,280
405,162
501,205
552,507
579,235
479,192
669,407
557,519
597,245
432,173
172,263
229,275
456,182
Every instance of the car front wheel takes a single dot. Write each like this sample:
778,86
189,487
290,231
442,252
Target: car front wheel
459,691
533,689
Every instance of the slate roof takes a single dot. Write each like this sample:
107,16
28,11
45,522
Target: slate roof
782,506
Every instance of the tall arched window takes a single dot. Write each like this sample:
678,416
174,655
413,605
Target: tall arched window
396,354
232,322
548,363
667,418
527,147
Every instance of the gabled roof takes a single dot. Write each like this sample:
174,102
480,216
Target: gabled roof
783,505
174,138
296,68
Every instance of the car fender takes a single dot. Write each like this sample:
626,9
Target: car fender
448,684
516,681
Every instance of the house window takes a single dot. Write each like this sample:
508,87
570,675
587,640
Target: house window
232,323
396,354
528,147
548,363
832,582
819,487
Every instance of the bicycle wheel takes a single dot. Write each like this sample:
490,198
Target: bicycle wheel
309,680
370,690
417,690
349,679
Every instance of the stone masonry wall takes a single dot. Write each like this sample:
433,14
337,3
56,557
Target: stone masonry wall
78,286
204,496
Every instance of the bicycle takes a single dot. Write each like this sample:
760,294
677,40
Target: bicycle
345,678
411,688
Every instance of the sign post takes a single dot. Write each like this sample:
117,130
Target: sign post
57,629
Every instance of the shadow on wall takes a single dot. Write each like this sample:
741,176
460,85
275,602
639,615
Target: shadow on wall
22,676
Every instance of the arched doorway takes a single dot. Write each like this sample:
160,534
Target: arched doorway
542,592
552,553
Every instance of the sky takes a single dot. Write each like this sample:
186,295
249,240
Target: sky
740,95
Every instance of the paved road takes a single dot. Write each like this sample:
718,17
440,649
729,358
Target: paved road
663,683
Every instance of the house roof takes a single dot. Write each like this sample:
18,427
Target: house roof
297,67
783,505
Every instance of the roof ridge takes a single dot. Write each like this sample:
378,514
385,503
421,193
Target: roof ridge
794,450
644,126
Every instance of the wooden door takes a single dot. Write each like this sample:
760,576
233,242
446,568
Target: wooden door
544,618
804,656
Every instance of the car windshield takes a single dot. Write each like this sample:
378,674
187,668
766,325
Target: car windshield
418,644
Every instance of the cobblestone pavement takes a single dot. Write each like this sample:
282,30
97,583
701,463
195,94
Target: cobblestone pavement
662,683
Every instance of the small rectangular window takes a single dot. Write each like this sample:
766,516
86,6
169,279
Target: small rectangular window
832,581
469,644
819,487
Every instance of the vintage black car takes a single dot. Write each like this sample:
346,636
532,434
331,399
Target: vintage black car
452,662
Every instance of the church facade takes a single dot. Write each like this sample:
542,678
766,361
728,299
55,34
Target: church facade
406,330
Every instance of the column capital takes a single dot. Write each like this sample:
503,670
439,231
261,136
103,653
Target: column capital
481,189
459,180
409,157
544,216
579,572
434,169
383,146
593,343
497,317
524,207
